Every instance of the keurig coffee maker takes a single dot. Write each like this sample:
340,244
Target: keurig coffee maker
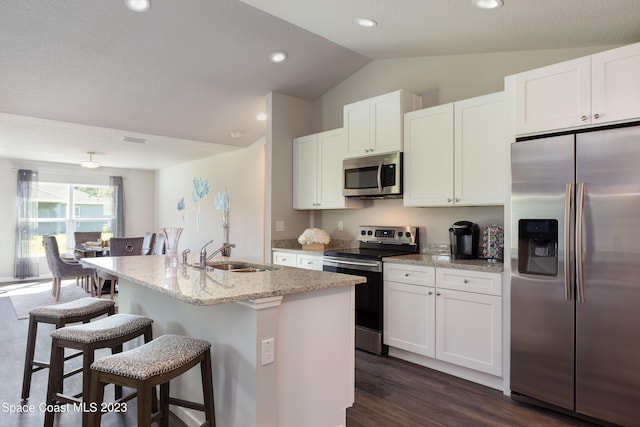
464,237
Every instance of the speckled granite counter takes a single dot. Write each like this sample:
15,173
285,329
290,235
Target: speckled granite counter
200,287
447,262
305,316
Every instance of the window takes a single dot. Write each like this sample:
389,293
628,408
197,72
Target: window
66,208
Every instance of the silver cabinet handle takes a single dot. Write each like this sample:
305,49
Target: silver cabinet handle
430,292
583,118
406,274
438,294
596,116
457,199
466,280
579,238
449,199
568,202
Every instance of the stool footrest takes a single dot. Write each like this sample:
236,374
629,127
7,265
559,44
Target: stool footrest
186,404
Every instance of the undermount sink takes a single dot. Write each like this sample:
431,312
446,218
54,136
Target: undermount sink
240,267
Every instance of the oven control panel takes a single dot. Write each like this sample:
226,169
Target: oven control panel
389,235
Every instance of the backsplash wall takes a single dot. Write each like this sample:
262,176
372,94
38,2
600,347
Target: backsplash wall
434,223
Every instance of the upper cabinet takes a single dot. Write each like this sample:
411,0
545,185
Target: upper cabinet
455,154
375,125
317,177
597,89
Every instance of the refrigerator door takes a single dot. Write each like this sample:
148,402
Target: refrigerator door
608,326
542,306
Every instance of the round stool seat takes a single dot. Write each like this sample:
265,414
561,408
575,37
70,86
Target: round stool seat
105,329
78,308
164,354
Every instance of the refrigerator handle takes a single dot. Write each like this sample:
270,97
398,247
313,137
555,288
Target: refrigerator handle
568,294
579,237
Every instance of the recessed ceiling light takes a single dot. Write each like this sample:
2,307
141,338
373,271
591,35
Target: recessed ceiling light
366,22
236,134
133,139
278,56
262,117
487,4
138,5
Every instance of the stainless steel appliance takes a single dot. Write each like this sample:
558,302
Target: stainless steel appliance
373,176
366,260
464,238
575,279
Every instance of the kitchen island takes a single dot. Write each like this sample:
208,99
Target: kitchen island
283,338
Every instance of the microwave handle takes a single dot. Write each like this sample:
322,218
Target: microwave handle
380,177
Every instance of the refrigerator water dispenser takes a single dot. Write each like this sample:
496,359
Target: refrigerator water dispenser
538,247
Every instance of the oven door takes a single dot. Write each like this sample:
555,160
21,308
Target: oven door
368,300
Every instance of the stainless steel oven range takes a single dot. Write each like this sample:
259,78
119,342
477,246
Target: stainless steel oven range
375,242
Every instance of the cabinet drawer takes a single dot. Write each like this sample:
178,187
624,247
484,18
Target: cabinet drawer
412,274
310,262
470,281
282,258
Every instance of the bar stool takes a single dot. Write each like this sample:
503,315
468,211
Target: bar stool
152,364
80,310
110,332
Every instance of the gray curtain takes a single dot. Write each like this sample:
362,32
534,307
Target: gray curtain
26,264
118,205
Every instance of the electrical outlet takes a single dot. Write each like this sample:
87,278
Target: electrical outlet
268,351
279,225
340,226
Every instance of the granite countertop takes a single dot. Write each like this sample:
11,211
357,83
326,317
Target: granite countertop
199,287
447,262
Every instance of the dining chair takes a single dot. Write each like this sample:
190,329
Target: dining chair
147,243
61,268
158,246
119,246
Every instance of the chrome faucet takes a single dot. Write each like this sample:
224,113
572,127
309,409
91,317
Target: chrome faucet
203,252
221,249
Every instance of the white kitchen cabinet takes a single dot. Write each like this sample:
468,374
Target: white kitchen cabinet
444,315
317,172
409,308
308,261
455,154
375,125
285,258
469,330
592,90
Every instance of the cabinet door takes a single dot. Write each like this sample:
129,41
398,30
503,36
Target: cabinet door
469,330
331,151
357,126
409,316
310,262
305,172
285,258
386,122
616,84
428,157
480,151
554,97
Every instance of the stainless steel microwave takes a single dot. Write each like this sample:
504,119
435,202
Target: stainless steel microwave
373,176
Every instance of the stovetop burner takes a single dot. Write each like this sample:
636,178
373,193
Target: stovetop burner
377,242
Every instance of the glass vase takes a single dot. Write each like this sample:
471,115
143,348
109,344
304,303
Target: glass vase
172,237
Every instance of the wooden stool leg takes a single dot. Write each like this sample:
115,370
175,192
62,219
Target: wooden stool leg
207,389
28,359
97,396
164,404
56,377
144,404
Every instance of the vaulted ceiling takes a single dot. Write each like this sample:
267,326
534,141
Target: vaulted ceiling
186,74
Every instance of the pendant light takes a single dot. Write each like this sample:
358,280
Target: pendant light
90,163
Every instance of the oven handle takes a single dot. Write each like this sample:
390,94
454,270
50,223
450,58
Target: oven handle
375,266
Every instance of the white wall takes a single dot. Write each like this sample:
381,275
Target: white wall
139,189
242,173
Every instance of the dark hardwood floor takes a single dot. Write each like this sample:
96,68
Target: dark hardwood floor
389,392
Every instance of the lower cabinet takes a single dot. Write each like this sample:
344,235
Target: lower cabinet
307,261
424,317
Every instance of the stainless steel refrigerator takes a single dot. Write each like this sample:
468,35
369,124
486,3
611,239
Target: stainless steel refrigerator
575,278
